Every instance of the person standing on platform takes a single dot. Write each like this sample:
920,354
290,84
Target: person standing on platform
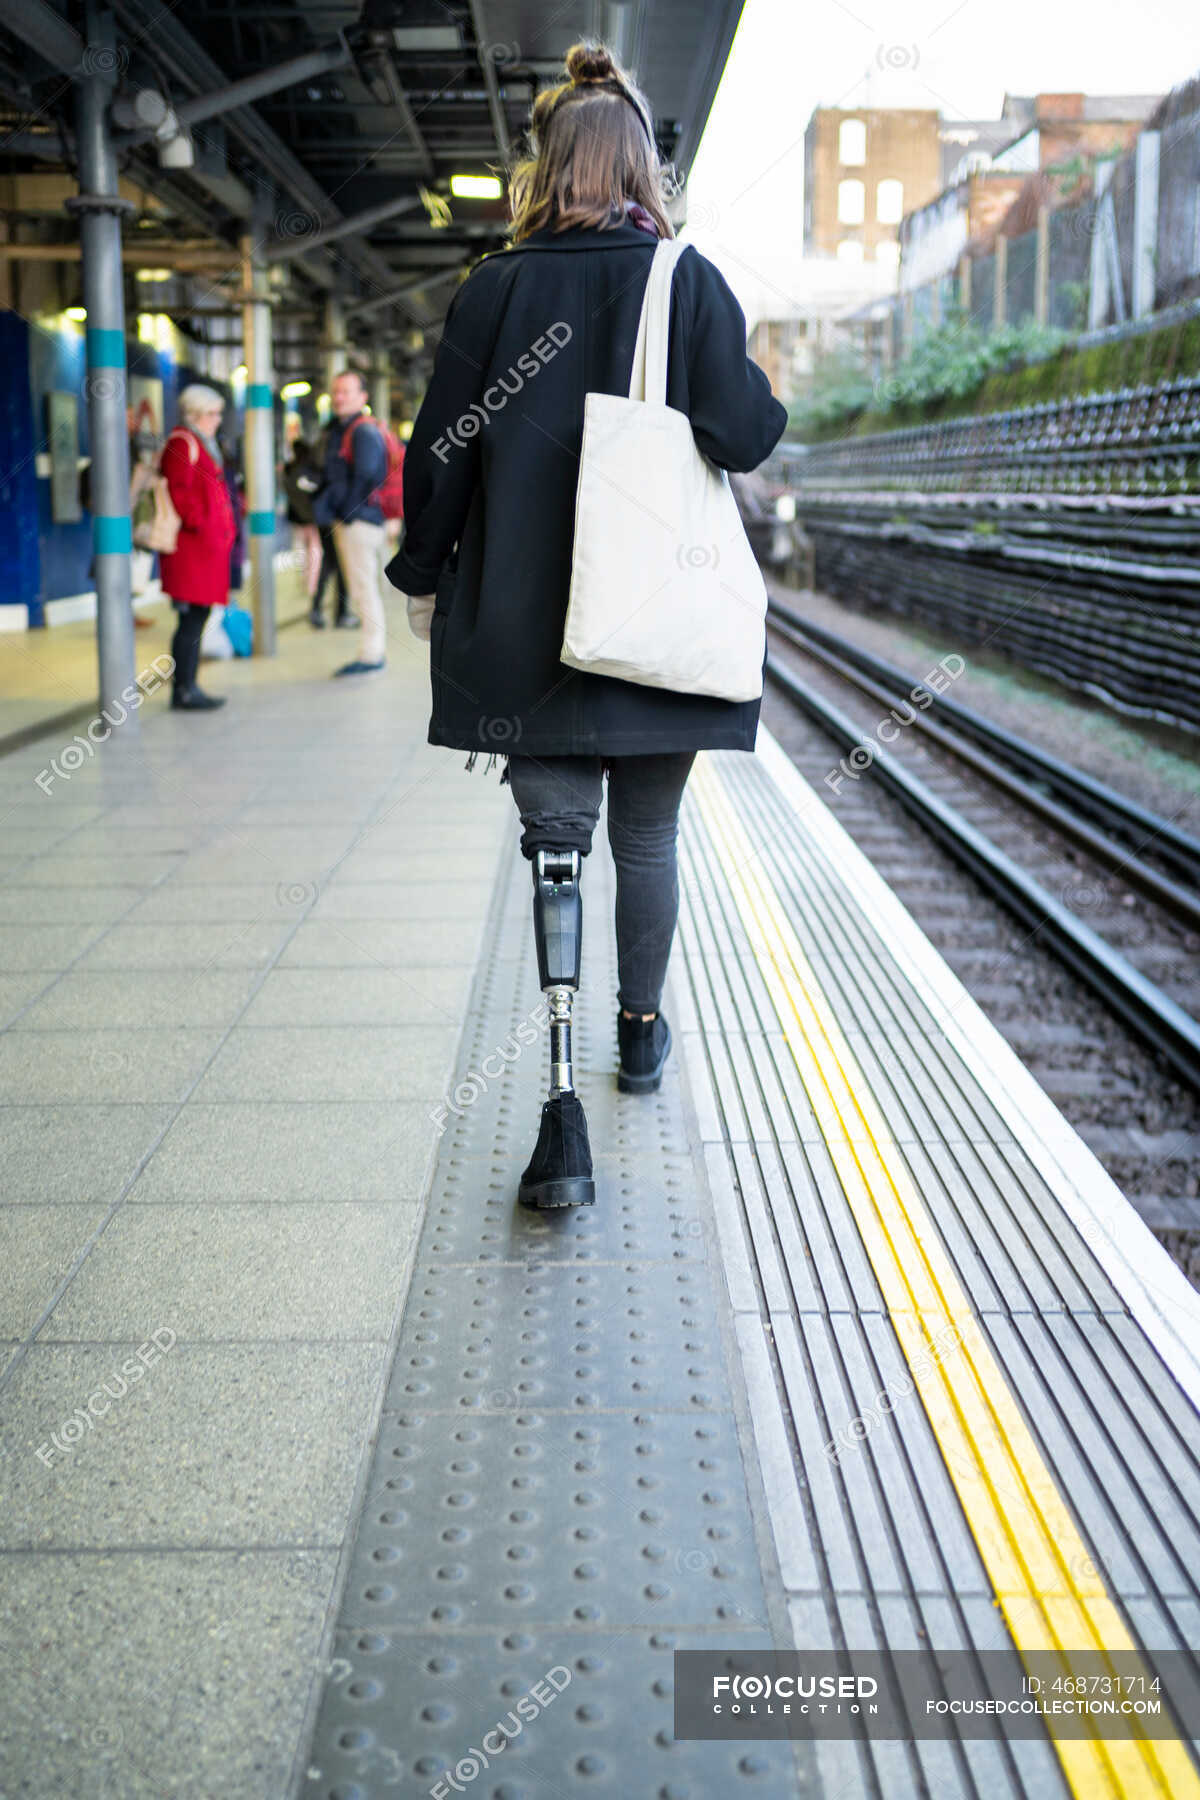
356,464
196,573
301,479
331,568
490,483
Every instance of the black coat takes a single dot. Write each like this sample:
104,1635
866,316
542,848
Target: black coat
497,479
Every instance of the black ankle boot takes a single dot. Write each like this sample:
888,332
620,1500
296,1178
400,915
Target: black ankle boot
194,699
560,1169
644,1045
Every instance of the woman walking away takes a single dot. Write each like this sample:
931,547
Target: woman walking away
489,504
196,574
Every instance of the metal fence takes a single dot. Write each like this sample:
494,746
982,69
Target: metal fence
1178,248
1066,535
1138,441
1110,259
1071,229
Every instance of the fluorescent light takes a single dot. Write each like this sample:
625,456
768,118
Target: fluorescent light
476,187
241,372
153,274
76,313
426,37
295,390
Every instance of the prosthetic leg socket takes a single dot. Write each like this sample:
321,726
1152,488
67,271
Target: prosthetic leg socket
558,934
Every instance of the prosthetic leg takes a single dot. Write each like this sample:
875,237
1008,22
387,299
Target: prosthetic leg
560,1171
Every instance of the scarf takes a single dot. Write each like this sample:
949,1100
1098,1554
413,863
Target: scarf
211,445
637,215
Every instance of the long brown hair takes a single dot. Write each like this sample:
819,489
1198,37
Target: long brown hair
592,148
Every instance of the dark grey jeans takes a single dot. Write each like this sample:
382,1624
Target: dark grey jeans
558,798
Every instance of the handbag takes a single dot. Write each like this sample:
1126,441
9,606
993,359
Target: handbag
665,590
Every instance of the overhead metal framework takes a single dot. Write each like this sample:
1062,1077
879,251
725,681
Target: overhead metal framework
273,158
342,126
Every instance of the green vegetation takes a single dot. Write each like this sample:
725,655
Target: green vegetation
958,369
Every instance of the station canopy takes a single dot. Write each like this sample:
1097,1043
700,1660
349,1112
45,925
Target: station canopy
357,145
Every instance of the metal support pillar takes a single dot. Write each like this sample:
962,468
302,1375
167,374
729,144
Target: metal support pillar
1000,282
260,442
334,345
98,206
381,387
1145,223
1098,288
1041,268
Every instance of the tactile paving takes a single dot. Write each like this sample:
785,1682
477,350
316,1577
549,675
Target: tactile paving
400,1710
559,1480
596,1522
561,1337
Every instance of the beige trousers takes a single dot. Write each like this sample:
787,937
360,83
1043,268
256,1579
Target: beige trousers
360,551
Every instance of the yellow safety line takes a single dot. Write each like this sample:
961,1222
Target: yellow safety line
1051,1595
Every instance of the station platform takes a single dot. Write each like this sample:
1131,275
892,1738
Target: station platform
859,1348
48,677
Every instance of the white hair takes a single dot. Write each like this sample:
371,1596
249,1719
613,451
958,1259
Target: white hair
197,399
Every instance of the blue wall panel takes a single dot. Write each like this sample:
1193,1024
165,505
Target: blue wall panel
41,559
18,476
57,361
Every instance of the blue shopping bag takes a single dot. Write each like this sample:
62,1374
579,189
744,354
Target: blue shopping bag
239,627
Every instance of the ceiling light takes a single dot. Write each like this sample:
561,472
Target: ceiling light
77,313
476,187
426,37
153,274
295,390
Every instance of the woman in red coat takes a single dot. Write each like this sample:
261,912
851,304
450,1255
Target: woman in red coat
196,575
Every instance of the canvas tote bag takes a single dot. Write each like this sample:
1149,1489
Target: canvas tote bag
665,590
161,530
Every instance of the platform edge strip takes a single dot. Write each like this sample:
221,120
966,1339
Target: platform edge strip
1027,1538
1155,1290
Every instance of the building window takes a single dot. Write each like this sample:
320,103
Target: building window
852,197
852,143
889,202
888,251
850,251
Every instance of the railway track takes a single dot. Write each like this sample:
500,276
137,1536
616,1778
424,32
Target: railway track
1071,914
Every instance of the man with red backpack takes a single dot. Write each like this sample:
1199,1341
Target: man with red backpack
361,488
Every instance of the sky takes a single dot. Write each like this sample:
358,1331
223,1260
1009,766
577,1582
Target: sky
746,188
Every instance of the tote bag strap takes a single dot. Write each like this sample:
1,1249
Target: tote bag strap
648,378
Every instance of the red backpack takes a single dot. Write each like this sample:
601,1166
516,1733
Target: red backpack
389,495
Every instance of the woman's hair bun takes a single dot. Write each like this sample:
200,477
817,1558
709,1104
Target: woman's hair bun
590,62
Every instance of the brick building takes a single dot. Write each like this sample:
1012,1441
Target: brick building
863,170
